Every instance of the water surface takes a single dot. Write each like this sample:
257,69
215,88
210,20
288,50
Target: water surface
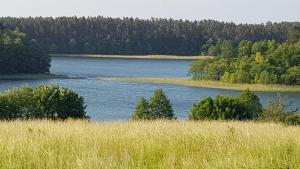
112,100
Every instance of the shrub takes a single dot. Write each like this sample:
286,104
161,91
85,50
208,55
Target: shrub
44,102
292,119
159,107
16,103
204,109
250,104
228,108
276,112
244,107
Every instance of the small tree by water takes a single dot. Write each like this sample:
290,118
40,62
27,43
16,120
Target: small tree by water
159,107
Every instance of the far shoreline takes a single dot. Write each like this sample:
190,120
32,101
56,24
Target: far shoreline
210,84
148,57
33,76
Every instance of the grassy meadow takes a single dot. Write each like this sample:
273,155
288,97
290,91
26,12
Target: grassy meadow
211,84
160,57
153,144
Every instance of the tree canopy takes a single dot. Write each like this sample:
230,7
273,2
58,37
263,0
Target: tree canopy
159,107
261,62
43,102
105,35
246,106
18,54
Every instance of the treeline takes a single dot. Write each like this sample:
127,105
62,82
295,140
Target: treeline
245,106
261,62
20,54
105,35
43,102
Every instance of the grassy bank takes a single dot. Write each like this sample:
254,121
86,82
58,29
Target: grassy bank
210,84
32,76
159,57
161,144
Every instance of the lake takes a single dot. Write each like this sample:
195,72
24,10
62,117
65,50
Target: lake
112,100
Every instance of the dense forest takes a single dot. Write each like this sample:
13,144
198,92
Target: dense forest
105,35
262,62
18,54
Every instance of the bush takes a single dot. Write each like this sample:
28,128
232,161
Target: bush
204,109
244,107
250,104
44,102
276,112
159,107
292,119
228,108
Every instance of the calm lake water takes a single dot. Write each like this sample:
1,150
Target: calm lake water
111,100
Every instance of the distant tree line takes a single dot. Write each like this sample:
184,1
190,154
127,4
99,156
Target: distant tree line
244,107
18,54
260,62
105,35
43,102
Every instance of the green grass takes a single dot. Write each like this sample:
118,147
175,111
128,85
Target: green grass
160,57
32,76
210,84
159,144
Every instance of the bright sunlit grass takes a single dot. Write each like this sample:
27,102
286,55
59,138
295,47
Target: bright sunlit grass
211,84
160,144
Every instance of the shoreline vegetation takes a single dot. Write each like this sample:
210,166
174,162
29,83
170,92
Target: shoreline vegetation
148,144
210,84
33,76
153,57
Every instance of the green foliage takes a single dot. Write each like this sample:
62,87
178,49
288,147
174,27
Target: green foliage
293,33
213,51
159,107
203,110
244,48
44,102
276,112
292,75
19,55
227,49
265,62
228,108
128,36
252,108
142,111
246,106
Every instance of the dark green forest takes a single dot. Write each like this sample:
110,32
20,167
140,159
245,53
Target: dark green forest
19,54
132,36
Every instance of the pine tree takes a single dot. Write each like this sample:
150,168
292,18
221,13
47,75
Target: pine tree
160,106
142,111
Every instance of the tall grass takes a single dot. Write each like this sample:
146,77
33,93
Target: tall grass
159,144
211,84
